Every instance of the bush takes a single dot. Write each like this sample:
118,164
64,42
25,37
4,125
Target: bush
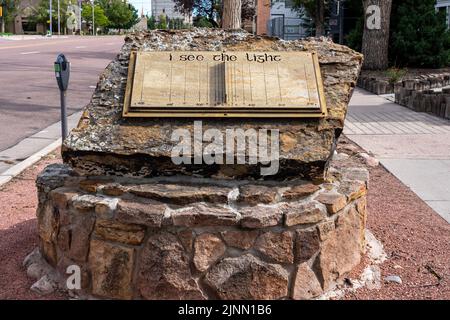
354,37
202,22
162,23
395,74
151,23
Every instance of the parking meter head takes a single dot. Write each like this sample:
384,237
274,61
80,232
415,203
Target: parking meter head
62,72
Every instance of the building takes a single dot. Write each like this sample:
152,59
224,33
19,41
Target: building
285,22
23,24
262,11
167,8
444,5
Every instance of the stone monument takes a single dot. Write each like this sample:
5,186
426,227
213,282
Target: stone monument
143,218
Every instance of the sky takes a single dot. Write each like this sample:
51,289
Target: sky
139,3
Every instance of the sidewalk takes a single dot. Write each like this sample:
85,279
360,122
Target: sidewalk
415,147
30,150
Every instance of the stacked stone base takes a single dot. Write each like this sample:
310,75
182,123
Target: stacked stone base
181,238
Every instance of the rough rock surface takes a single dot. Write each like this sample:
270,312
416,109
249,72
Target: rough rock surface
306,285
276,246
164,271
131,246
106,143
111,269
208,248
247,277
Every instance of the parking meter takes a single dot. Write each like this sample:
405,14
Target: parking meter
62,74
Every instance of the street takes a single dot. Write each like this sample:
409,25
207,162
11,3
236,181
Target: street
29,96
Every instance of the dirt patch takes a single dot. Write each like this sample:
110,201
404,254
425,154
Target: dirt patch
18,234
415,238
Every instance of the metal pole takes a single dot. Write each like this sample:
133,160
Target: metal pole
93,19
51,19
59,21
3,18
63,114
79,15
341,22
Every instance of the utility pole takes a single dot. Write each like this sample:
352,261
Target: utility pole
93,18
59,21
51,19
79,15
2,16
340,14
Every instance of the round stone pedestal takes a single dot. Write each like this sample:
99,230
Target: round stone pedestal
187,238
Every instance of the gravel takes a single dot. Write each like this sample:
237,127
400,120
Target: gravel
18,234
415,238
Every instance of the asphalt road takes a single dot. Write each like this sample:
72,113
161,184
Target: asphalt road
29,96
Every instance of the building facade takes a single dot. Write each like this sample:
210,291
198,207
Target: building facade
285,22
444,5
167,8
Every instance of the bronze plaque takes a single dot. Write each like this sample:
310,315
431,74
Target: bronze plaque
224,84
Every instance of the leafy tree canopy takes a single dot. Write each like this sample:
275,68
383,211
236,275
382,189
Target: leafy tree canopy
100,18
121,15
419,35
211,10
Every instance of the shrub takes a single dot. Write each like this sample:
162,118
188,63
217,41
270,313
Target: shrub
419,35
395,74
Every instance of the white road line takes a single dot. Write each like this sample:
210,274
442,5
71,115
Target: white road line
30,52
80,47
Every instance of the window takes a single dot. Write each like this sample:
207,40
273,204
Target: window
292,29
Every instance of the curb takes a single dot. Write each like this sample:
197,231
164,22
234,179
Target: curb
17,169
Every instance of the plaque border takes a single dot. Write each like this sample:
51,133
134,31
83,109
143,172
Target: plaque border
283,113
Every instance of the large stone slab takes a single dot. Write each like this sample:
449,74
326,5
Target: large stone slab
107,143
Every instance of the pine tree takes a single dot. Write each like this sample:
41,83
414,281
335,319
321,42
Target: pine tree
420,37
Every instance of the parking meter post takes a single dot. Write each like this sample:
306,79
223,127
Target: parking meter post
62,74
63,115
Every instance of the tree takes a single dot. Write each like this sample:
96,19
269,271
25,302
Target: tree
211,10
231,16
354,37
134,17
100,19
10,10
419,37
202,22
162,23
41,14
151,23
317,10
375,41
120,14
354,9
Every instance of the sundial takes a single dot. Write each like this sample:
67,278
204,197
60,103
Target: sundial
224,84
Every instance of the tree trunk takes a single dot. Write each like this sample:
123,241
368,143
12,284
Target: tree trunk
231,17
320,18
375,42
